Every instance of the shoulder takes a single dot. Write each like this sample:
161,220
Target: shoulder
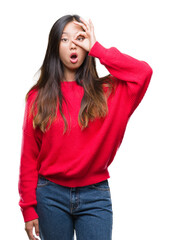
33,92
30,99
31,95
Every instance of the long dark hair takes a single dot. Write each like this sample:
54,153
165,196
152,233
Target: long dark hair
49,94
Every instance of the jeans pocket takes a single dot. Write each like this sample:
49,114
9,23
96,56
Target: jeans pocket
101,186
42,182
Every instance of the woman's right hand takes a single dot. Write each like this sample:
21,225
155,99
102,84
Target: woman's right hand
29,229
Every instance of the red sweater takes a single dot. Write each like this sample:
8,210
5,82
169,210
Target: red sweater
81,158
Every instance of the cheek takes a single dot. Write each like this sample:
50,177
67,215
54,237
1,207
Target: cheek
83,55
62,52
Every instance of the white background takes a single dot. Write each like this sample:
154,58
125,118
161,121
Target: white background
141,172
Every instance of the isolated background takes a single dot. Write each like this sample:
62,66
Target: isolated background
140,174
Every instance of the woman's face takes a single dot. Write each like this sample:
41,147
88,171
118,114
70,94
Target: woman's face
67,47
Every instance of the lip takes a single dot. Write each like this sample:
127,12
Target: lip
73,60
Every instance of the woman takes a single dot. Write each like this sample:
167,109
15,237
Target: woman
74,123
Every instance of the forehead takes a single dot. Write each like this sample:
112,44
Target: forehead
71,28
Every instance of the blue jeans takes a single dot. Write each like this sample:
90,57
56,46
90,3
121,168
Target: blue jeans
86,209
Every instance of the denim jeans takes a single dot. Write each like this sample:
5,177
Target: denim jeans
61,210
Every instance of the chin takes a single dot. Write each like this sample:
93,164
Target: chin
74,66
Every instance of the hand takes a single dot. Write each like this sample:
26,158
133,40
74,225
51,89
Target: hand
29,229
88,34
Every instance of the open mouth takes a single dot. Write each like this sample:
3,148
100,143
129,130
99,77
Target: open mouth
73,57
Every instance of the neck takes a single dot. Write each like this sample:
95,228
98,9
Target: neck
69,75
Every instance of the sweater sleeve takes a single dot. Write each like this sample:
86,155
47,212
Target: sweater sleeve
28,174
130,72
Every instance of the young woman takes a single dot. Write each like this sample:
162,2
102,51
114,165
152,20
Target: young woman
74,123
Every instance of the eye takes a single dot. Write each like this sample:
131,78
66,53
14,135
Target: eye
64,39
80,38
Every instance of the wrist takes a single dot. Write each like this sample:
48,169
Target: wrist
98,51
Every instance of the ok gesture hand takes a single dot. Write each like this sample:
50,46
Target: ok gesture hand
88,35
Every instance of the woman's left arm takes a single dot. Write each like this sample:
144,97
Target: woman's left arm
135,74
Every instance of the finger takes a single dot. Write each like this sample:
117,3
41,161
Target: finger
37,229
91,24
33,238
84,21
80,24
80,34
30,235
78,43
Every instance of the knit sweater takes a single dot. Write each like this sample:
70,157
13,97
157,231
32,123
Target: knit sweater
80,158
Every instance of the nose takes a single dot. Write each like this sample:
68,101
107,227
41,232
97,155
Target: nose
73,45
